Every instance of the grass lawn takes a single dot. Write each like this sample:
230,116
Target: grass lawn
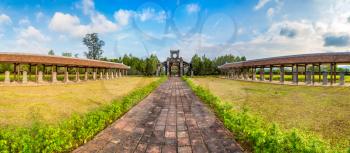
324,111
22,105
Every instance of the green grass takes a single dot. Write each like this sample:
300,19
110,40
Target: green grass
21,105
73,131
320,111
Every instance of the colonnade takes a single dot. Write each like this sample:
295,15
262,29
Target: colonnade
329,74
22,75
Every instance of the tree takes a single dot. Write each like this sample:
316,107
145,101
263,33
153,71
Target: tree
196,64
207,66
76,55
67,54
94,45
151,64
51,52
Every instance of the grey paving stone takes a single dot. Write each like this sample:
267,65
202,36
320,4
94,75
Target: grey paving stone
171,119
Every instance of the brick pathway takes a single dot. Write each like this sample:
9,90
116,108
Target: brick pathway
171,119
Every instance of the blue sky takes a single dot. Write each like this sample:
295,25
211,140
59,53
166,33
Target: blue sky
253,28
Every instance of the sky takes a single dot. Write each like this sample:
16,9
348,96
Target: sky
251,28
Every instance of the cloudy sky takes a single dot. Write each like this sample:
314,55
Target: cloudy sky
253,28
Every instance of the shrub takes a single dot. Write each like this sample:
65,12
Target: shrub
261,136
74,131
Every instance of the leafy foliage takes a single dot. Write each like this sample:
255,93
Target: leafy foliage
94,45
259,135
51,52
206,66
72,132
151,65
67,54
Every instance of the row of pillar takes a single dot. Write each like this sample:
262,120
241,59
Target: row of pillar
109,74
246,73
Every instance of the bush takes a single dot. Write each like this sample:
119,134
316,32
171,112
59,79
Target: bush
259,135
72,132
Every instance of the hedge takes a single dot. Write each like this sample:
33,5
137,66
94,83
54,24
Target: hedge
72,132
257,134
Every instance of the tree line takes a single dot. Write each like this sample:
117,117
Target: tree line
143,66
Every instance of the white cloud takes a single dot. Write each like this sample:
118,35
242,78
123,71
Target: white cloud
151,14
67,23
100,24
24,22
123,16
70,24
5,19
192,8
30,40
270,12
261,4
39,16
308,37
88,7
31,33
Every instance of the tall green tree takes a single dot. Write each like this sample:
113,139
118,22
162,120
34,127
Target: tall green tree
196,62
67,54
51,52
151,65
207,66
94,45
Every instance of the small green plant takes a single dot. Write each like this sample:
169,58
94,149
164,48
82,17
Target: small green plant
259,135
71,133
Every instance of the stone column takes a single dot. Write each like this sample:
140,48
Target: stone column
181,67
86,77
341,78
25,77
116,74
262,76
308,77
282,74
107,76
101,75
245,74
235,74
112,74
271,75
77,76
94,75
168,68
66,77
7,77
295,77
254,74
53,77
241,73
40,77
325,79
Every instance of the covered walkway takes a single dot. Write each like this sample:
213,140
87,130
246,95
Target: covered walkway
313,69
46,68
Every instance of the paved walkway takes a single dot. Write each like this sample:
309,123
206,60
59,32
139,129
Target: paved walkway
171,119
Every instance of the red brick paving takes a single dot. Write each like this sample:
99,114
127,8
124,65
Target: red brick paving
171,119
